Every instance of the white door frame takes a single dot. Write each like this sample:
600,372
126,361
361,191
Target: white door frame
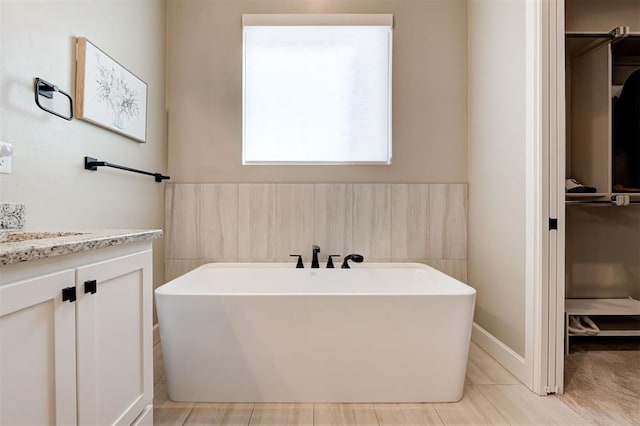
544,345
557,161
536,330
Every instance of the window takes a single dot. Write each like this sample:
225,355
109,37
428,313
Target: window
317,89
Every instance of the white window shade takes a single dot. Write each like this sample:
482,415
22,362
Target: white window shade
317,89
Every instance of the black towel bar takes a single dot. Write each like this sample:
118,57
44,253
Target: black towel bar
93,164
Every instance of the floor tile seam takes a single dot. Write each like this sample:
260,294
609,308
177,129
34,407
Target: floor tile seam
438,413
188,415
376,413
484,397
253,408
423,405
470,361
482,370
493,382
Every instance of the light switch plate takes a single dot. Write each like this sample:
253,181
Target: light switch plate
5,165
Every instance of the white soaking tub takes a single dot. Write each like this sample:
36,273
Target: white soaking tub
267,332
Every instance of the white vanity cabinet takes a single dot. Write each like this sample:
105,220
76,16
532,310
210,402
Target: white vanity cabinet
83,361
37,351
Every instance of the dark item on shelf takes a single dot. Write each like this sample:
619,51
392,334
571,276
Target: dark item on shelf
575,187
47,90
626,135
622,188
93,164
582,190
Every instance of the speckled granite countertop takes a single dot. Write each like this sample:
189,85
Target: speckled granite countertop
49,244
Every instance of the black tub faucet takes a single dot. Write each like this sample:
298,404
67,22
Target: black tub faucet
299,264
358,258
314,260
330,260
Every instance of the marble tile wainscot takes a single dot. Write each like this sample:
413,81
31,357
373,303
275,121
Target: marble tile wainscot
265,222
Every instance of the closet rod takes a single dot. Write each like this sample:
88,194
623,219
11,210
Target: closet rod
603,203
613,36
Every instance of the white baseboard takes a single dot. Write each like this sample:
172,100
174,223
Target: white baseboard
156,334
510,360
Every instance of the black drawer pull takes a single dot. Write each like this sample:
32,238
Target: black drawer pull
69,294
90,287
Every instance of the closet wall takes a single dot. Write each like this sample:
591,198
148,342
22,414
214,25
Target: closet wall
602,241
601,15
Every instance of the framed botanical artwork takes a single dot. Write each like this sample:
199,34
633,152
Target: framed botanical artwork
109,95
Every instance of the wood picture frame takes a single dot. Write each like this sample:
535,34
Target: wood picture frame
109,95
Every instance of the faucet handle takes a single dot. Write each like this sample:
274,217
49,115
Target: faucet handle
299,264
330,260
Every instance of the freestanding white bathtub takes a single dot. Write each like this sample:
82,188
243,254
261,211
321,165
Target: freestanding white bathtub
267,332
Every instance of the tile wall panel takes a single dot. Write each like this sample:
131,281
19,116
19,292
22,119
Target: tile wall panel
218,226
333,218
256,222
181,221
455,268
410,222
372,221
266,222
173,268
448,221
294,220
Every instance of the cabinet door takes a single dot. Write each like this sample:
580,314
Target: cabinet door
114,334
37,352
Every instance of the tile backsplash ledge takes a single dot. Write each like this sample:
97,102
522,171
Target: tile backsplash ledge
268,222
12,216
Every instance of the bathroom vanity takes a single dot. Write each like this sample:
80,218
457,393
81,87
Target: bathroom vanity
76,328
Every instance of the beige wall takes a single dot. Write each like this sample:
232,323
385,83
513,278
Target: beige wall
601,15
497,137
37,40
429,92
602,252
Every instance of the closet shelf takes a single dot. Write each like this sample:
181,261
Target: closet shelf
589,195
618,325
599,198
627,306
586,196
614,317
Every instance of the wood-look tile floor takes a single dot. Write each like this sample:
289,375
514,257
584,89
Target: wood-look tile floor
492,396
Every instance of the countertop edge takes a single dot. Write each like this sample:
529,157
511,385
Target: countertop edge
24,251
